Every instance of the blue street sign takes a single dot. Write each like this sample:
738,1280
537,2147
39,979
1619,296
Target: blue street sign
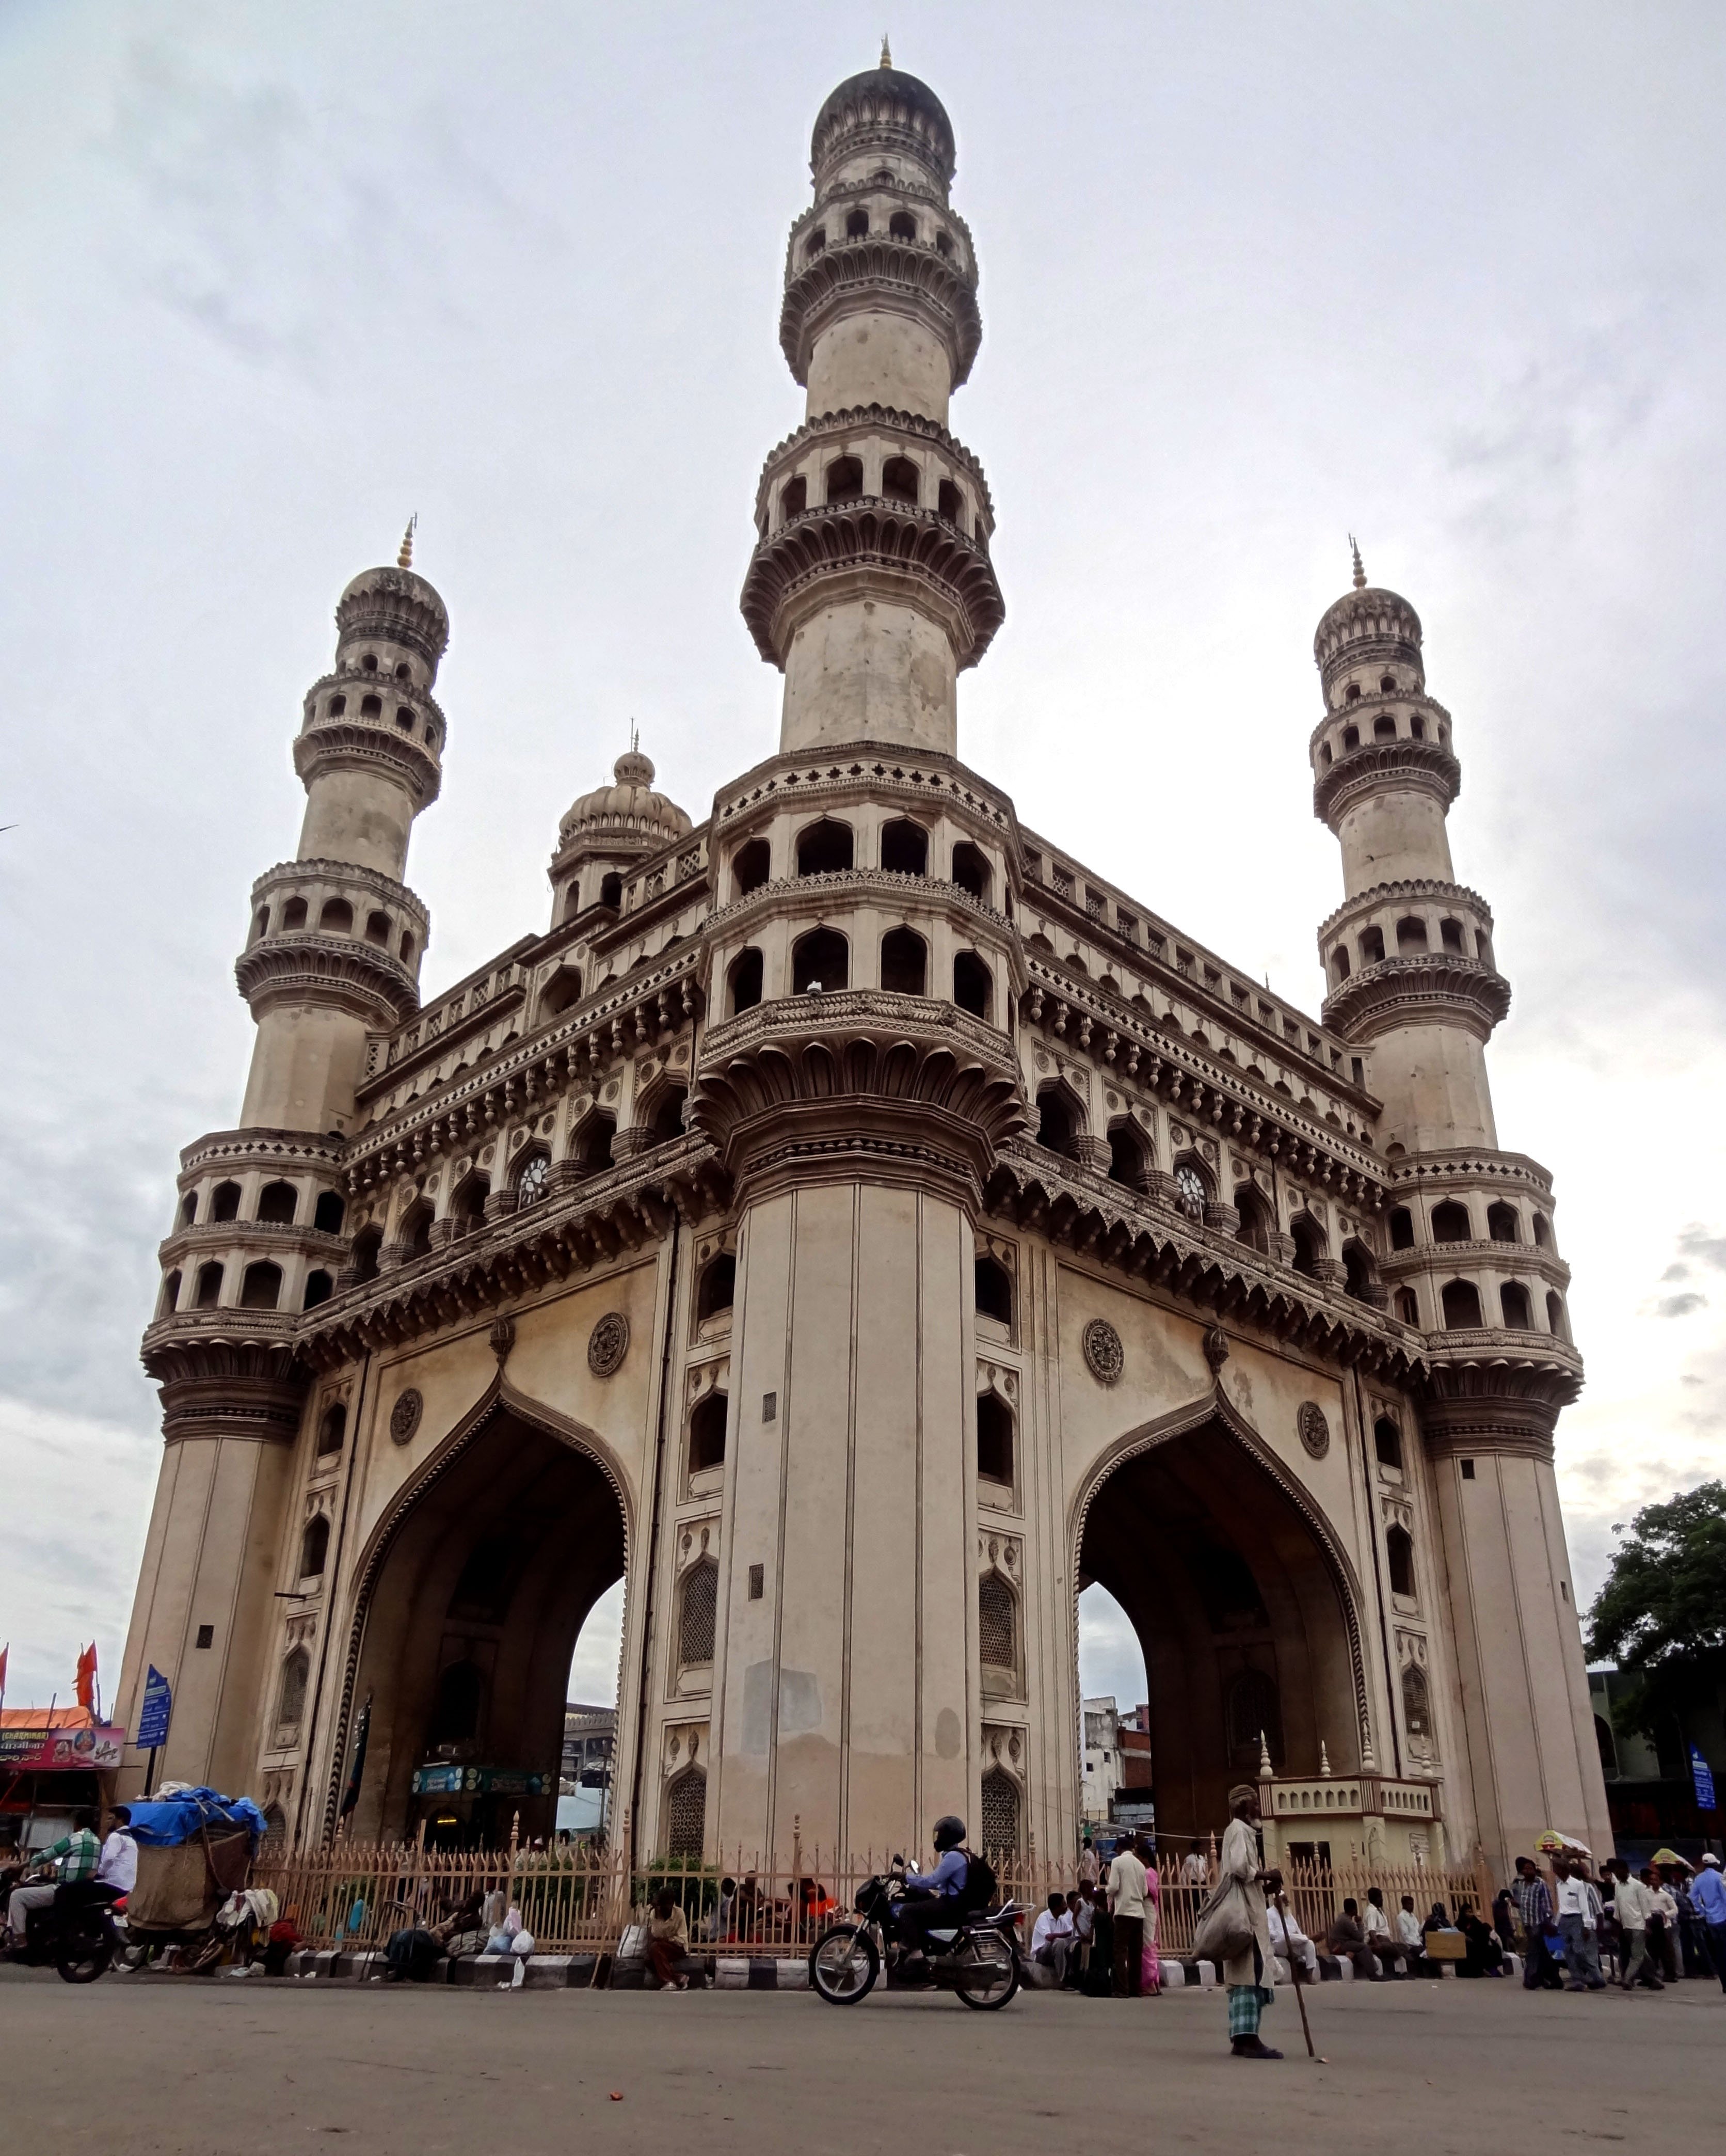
1702,1775
153,1715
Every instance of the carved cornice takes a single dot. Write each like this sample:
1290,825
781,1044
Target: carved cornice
1457,1167
1438,987
1366,708
286,876
882,549
1496,1392
300,965
1402,766
856,769
267,1238
342,679
1448,1257
886,418
352,743
219,1383
879,269
1365,903
797,895
260,1148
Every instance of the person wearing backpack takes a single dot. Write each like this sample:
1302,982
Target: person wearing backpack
936,1900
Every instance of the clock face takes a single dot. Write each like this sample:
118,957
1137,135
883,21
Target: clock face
531,1187
1191,1186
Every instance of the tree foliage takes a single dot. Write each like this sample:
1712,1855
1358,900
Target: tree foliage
1662,1614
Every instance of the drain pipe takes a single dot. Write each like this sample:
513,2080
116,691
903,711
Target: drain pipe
647,1615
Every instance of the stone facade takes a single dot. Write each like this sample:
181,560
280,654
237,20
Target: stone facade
856,1225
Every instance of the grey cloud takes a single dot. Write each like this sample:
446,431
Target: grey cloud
1696,1242
1680,1306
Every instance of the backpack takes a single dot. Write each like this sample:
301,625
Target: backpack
980,1886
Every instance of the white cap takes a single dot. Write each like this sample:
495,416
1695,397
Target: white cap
1710,1858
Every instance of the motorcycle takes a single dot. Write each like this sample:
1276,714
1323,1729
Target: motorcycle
80,1933
976,1957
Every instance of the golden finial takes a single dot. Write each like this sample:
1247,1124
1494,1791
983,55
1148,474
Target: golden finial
886,51
404,560
1359,572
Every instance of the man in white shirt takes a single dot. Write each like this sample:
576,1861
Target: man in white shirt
1194,1871
1634,1905
1089,1870
1376,1925
1288,1940
1051,1939
1129,1904
118,1864
1410,1939
1578,1916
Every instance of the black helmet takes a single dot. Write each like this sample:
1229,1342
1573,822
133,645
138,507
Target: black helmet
949,1832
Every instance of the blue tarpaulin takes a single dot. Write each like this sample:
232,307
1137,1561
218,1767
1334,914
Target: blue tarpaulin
166,1823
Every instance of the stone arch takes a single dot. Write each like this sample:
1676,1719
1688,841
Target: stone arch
1061,1116
498,1547
1225,1564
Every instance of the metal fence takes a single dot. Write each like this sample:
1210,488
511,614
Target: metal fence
574,1898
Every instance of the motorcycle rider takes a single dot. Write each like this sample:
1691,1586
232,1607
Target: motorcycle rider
935,1900
73,1857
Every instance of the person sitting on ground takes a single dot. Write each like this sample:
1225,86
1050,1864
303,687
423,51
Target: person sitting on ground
411,1953
1051,1940
668,1941
1347,1942
1484,1956
1288,1940
1376,1925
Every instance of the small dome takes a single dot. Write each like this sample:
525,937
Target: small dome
397,606
1369,626
627,814
885,99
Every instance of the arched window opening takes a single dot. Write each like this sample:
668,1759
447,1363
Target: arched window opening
572,898
278,1202
404,717
367,1244
1502,1223
402,671
901,481
1543,1232
332,1431
698,1608
225,1202
994,1290
1513,1301
973,984
751,865
1416,727
820,964
313,1548
290,1700
950,503
416,1232
745,981
707,1434
1351,736
1483,948
1555,1323
1308,1244
611,890
261,1286
1387,1444
904,848
169,1299
1408,1307
1254,1718
261,927
368,664
467,1204
1399,1559
371,707
1402,1228
533,1178
844,480
337,918
857,224
718,1288
1056,1125
1450,935
461,1695
1372,946
1327,753
294,914
1001,1833
667,1120
1339,962
337,707
793,498
1384,727
970,870
824,849
1359,1274
816,243
1461,1302
563,989
209,1286
319,1288
997,1623
1606,1744
1451,1223
1129,1155
407,950
1255,1228
377,930
686,1815
1387,684
995,1439
1411,936
902,225
1417,1705
592,1148
904,962
188,1209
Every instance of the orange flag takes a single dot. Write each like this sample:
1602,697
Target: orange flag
87,1677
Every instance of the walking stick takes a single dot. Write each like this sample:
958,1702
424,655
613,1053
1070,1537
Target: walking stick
1300,1997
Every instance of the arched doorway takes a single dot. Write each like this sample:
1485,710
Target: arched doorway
1244,1610
473,1594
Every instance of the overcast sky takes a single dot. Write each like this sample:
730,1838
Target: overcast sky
1449,276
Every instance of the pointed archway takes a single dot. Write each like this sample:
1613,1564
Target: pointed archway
1244,1607
473,1592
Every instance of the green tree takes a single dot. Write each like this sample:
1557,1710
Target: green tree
1662,1614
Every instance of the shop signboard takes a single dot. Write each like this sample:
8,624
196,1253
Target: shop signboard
93,1748
449,1781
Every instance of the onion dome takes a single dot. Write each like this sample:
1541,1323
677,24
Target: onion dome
884,109
627,816
1367,627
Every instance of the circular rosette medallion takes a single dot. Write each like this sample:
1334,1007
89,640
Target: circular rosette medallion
608,1343
404,1416
1104,1357
1315,1431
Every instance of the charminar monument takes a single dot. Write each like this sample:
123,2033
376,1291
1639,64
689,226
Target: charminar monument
858,1226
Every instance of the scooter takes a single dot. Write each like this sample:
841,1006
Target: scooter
975,1957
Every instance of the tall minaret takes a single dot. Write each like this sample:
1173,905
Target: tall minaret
871,587
1470,1258
334,950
